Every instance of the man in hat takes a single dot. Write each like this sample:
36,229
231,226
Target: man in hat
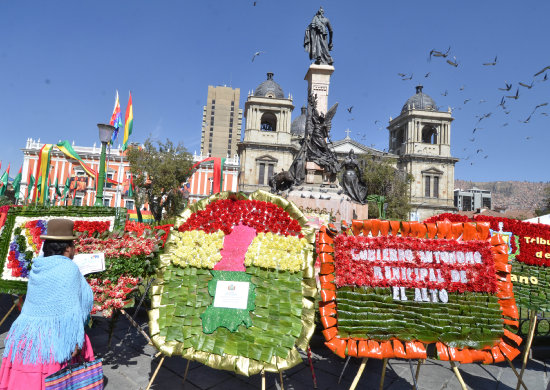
49,332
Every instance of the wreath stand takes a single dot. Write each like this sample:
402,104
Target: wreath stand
130,318
189,362
414,374
531,334
187,370
17,302
421,361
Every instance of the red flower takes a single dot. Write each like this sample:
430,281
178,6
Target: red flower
226,213
480,276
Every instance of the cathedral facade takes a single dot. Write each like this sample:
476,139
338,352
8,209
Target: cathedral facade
419,144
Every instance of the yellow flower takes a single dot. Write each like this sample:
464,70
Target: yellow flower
275,251
196,248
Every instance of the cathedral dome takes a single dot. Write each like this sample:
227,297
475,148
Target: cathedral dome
420,101
298,126
269,88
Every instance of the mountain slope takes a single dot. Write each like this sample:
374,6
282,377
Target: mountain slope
513,195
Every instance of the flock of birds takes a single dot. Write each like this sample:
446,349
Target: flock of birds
508,95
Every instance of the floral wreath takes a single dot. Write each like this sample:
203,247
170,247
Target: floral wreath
261,242
529,247
340,292
131,250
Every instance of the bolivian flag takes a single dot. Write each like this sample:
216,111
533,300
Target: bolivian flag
43,172
68,150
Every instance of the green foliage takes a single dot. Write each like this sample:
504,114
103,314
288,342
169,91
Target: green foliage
159,169
7,199
276,315
216,317
382,178
469,319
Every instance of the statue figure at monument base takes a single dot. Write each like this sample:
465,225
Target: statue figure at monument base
352,183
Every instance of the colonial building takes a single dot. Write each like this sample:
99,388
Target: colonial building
82,187
268,146
221,122
200,184
82,191
342,148
421,139
419,144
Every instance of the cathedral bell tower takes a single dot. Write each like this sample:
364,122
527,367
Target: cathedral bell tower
267,146
421,137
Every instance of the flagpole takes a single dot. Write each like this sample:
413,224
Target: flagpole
118,196
106,169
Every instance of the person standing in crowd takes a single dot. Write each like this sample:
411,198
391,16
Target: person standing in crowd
49,332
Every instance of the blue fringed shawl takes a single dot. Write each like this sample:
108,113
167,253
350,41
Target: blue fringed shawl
51,323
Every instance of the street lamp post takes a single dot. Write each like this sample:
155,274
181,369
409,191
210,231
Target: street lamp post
105,134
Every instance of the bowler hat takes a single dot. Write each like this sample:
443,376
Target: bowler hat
60,230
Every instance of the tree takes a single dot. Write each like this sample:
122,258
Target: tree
8,198
159,169
382,178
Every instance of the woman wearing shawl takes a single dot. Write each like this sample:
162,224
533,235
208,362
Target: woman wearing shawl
49,332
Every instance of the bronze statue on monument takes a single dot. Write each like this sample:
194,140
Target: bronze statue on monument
318,39
314,149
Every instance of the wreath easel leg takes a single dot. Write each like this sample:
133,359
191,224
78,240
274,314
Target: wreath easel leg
383,375
415,377
359,373
281,379
532,327
185,374
137,326
520,380
311,367
344,368
155,373
458,376
10,310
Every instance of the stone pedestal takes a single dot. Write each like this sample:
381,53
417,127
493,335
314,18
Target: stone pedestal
323,197
316,175
318,82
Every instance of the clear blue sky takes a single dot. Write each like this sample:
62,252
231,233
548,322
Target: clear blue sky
61,62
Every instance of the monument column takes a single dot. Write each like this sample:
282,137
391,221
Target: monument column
318,82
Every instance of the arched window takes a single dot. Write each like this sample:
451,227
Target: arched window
269,122
429,135
400,137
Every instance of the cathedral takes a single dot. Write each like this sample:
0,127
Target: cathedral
419,144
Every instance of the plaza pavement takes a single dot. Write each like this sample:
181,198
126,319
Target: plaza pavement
129,363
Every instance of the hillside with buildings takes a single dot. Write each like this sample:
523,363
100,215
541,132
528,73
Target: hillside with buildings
510,195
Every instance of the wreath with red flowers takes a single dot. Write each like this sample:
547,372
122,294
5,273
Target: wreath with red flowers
530,251
362,318
131,251
223,242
